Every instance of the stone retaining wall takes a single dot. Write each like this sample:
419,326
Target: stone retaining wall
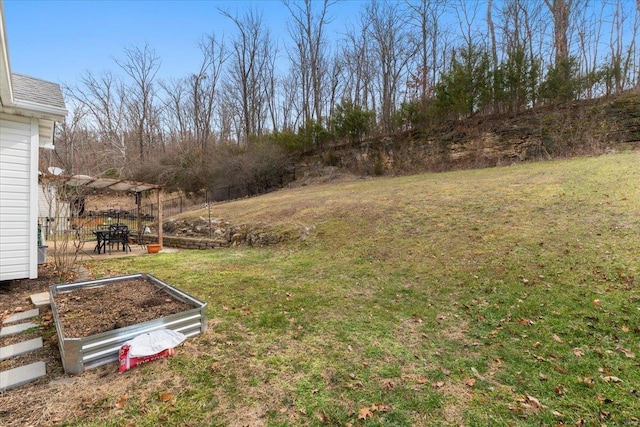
186,242
237,239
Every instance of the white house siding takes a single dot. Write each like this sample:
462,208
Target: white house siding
18,197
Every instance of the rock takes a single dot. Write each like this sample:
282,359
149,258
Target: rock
225,234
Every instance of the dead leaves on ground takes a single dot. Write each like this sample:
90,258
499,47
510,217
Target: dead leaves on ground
122,401
610,379
371,411
165,396
626,352
527,403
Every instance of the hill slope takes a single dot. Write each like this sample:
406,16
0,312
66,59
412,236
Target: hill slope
578,128
384,203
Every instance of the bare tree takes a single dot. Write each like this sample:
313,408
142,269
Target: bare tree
466,13
141,65
621,55
103,98
391,52
290,102
251,49
202,88
228,116
424,17
589,36
560,13
492,32
357,72
307,31
175,107
334,83
67,242
70,134
270,91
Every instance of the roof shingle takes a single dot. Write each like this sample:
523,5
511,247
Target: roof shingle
30,89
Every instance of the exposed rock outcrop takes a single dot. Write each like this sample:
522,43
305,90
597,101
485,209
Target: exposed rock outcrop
578,128
201,233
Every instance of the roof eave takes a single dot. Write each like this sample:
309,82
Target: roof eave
40,111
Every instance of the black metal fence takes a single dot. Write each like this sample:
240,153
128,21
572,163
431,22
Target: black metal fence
254,188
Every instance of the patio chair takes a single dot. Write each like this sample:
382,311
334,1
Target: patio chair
119,234
140,238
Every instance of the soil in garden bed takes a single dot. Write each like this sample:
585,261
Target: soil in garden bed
89,311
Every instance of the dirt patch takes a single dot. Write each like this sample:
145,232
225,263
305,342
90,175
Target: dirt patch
83,312
15,293
457,397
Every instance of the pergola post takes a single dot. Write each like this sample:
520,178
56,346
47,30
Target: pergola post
159,218
139,216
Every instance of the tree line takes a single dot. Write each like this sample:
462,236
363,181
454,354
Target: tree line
254,103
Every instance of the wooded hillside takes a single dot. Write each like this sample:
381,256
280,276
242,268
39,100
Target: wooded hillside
438,80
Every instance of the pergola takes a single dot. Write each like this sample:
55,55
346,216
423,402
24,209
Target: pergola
122,185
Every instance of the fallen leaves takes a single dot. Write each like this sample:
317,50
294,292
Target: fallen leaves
122,401
530,403
422,380
369,412
534,402
166,396
560,369
364,413
526,322
587,381
626,352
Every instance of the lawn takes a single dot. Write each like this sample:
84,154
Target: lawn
505,296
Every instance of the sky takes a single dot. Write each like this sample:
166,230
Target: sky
59,40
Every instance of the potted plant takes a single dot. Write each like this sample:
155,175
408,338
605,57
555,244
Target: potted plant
153,248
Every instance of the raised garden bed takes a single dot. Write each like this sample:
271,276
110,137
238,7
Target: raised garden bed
94,318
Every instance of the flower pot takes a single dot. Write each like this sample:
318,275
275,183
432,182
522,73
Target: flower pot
153,248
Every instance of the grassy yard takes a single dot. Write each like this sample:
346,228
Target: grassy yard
507,296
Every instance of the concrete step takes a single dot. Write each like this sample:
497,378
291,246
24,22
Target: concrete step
20,348
42,299
21,375
22,316
15,329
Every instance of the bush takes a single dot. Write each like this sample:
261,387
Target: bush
352,121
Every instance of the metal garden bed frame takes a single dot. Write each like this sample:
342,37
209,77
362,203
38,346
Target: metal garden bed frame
95,350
